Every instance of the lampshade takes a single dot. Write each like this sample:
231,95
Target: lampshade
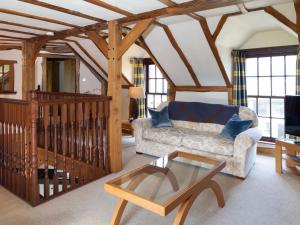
136,92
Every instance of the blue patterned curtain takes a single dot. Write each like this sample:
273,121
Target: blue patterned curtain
139,81
239,78
298,75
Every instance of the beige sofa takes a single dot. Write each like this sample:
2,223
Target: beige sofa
203,139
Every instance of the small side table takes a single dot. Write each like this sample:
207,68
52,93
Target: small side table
287,150
127,127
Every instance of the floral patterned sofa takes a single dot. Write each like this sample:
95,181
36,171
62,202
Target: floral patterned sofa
203,139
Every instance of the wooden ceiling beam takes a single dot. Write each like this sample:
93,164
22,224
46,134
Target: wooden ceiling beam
297,9
45,19
101,44
14,38
132,36
281,18
179,9
213,47
219,27
203,88
26,26
19,32
181,55
110,7
9,47
63,10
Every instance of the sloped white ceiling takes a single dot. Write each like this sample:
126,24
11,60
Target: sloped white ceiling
288,10
162,49
193,43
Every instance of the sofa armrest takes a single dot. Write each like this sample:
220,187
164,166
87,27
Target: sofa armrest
139,125
246,140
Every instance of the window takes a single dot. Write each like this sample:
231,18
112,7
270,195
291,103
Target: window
6,76
271,74
156,85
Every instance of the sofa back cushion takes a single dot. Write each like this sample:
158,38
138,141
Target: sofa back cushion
201,112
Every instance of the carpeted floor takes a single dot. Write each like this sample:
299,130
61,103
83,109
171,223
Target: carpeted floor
264,198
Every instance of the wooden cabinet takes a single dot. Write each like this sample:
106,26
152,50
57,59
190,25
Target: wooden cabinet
127,128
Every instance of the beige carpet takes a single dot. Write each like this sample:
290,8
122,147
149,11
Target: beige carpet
264,198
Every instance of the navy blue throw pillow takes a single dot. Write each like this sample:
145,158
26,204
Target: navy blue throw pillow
235,126
160,118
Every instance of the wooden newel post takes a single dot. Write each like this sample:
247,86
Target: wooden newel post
34,196
114,90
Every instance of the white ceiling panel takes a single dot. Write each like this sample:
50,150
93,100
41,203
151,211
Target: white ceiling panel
219,11
162,49
175,19
288,10
136,6
17,28
198,52
17,35
31,22
43,12
260,3
213,23
86,8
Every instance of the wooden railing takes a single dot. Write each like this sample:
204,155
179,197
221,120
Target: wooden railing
68,144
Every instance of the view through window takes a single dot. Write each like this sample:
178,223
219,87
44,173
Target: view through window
156,86
270,77
6,76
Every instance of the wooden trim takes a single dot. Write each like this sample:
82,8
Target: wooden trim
2,61
8,92
181,55
280,17
47,55
9,47
213,47
143,45
63,10
105,5
26,26
203,88
16,13
271,51
132,36
266,150
115,91
219,27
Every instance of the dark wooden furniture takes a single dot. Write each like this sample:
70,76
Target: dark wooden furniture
142,186
286,150
52,143
127,128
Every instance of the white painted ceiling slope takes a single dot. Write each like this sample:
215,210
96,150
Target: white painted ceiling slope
186,31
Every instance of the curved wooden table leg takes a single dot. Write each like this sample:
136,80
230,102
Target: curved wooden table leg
187,204
116,218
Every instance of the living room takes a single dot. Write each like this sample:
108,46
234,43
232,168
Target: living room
149,112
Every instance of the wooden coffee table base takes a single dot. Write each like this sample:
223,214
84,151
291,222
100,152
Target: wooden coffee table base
185,205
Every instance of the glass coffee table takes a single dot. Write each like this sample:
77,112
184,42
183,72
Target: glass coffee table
176,179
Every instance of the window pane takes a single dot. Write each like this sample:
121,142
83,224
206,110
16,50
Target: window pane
6,68
252,85
277,128
158,73
264,66
291,85
278,86
252,103
157,100
251,67
264,86
152,85
150,101
264,125
278,65
159,85
278,108
165,86
291,64
151,71
164,98
264,107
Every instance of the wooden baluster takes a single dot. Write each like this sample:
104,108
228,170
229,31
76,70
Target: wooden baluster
79,127
55,139
72,144
101,122
1,144
87,139
27,152
64,143
106,146
94,119
46,148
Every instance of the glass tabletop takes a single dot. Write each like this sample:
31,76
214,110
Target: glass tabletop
166,177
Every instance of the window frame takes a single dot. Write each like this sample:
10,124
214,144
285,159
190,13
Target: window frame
11,76
147,62
270,52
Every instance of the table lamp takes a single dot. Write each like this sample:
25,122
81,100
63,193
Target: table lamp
135,93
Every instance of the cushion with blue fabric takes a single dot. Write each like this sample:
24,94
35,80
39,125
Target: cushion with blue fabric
160,118
235,126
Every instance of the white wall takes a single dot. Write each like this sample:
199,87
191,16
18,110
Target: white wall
207,97
88,83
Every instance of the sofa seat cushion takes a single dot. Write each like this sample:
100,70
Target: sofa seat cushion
164,135
208,142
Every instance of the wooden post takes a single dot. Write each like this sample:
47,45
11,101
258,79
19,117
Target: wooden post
114,90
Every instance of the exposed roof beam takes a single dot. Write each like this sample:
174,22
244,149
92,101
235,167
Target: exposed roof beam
280,17
63,10
99,42
14,38
16,13
297,9
183,8
220,26
143,44
213,47
18,31
10,47
181,55
110,7
26,26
